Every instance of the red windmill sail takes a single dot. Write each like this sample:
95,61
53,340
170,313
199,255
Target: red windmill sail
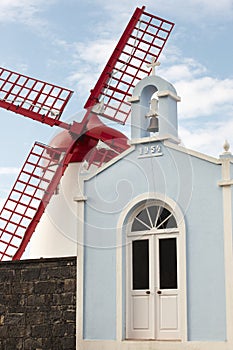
32,98
141,42
31,190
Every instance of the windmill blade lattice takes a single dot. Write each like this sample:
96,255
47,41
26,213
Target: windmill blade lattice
141,43
28,199
32,98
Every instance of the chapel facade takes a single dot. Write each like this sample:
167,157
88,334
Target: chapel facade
152,231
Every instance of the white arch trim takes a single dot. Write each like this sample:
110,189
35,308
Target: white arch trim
177,212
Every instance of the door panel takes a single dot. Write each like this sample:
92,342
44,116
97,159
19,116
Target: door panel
168,312
168,294
140,299
140,312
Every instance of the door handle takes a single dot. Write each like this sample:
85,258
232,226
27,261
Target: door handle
159,292
147,292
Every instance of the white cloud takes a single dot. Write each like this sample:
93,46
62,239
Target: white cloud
201,94
206,107
8,171
25,11
189,10
219,8
82,81
208,138
205,96
177,67
89,59
195,10
94,52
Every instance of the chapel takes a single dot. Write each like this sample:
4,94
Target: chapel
152,232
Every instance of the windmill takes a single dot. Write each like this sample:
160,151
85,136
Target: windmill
140,44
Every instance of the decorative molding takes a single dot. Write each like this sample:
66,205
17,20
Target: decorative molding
225,183
163,93
80,199
192,153
150,139
133,99
166,93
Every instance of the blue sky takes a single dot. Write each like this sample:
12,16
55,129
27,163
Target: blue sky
67,42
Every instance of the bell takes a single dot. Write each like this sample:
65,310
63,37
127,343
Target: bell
154,124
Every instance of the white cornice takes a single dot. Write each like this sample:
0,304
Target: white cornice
163,93
225,183
154,138
133,99
166,93
193,153
80,198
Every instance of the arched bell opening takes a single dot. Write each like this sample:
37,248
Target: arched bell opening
150,102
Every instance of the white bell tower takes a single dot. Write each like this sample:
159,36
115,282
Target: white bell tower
154,108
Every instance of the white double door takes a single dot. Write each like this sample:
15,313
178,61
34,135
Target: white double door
152,290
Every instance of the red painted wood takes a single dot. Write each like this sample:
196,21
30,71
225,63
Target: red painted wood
40,176
143,39
33,98
113,59
60,165
28,194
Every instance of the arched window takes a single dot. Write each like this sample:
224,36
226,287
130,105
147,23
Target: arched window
153,216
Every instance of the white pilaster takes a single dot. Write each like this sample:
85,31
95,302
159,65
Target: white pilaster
80,263
227,217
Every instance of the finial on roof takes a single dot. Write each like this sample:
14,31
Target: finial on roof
153,64
226,153
226,146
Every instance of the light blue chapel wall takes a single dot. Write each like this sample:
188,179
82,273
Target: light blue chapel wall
205,256
107,194
192,183
99,284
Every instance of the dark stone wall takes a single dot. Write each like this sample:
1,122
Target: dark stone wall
38,304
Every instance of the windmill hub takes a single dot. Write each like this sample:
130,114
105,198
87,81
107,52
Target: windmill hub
95,131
